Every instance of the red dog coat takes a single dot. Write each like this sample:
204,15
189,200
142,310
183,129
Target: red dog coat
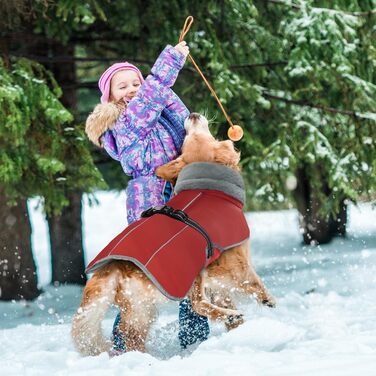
172,253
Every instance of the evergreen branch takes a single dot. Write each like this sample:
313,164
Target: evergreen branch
298,7
312,105
281,2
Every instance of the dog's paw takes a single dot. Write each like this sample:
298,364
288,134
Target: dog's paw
170,170
269,302
233,321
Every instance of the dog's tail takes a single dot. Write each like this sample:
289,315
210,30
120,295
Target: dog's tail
99,294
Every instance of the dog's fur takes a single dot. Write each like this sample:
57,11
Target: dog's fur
122,283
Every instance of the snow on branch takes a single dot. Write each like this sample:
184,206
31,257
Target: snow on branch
298,7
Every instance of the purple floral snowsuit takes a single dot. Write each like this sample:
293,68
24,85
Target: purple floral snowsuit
140,139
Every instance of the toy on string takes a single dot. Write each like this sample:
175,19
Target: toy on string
235,132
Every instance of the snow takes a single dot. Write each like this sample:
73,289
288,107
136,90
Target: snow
324,322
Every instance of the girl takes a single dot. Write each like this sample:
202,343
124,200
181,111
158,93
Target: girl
140,123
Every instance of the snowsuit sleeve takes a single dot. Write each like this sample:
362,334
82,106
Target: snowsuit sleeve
177,108
155,93
109,144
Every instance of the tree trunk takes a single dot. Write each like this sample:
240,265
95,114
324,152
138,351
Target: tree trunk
18,276
67,255
317,228
338,224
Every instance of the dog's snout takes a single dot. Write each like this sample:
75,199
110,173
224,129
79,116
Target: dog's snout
194,116
196,122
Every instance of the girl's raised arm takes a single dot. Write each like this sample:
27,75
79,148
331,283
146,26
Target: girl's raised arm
155,93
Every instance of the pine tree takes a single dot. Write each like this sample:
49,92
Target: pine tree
322,104
42,154
50,39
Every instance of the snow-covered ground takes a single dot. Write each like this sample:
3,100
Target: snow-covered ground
324,324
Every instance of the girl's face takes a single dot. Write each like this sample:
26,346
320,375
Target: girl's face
124,85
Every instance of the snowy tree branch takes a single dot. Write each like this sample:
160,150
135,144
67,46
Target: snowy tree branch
296,6
281,2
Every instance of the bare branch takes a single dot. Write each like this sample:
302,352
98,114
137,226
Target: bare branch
259,65
311,105
68,59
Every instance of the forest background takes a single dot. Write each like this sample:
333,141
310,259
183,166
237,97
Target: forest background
298,76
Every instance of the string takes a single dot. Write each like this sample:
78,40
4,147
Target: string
187,25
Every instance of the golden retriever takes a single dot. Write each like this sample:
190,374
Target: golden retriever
122,283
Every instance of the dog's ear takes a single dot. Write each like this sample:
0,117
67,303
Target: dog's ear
171,170
226,154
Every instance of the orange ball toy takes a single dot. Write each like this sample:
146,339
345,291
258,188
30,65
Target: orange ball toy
235,133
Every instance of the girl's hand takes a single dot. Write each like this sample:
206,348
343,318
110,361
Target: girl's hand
182,48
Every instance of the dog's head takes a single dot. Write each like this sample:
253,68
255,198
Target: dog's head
196,123
200,146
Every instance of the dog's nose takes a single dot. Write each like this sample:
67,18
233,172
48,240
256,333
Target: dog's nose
194,116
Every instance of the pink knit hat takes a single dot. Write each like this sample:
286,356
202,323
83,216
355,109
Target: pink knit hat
105,80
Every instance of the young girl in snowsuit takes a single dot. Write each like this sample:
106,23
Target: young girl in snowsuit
140,123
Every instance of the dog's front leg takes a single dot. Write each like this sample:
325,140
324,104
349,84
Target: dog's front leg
171,170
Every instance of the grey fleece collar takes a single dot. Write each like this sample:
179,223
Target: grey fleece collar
204,175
